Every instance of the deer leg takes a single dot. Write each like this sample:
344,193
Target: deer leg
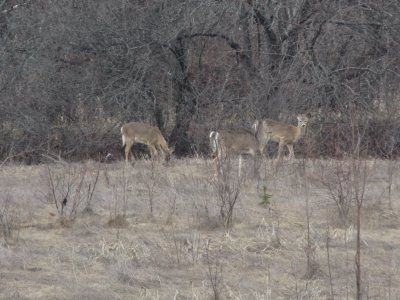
128,146
261,150
263,146
291,152
279,158
280,148
153,151
159,150
164,148
256,166
219,154
266,146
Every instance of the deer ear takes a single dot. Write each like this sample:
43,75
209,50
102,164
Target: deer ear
308,115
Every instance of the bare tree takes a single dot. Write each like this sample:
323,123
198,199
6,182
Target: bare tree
88,67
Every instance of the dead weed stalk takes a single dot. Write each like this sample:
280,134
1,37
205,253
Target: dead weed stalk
10,221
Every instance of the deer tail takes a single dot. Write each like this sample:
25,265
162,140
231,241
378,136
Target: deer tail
123,136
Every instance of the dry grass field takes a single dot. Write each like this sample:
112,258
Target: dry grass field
153,231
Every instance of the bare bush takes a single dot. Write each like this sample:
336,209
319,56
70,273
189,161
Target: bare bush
309,246
123,269
69,187
201,195
91,184
187,248
149,177
10,221
117,204
270,232
392,169
310,289
359,176
228,185
336,180
214,275
328,260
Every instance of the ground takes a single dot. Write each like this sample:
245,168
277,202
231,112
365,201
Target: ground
120,248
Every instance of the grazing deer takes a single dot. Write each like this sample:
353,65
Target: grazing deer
136,132
284,134
233,142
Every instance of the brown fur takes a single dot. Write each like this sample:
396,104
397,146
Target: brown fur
281,133
136,132
233,141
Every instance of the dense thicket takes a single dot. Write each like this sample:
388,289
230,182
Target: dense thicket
72,71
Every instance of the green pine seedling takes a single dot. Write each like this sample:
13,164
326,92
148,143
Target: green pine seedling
265,198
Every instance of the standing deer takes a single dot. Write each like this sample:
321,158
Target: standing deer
281,133
136,132
233,142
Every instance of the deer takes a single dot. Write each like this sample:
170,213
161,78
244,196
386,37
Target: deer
226,142
284,134
137,132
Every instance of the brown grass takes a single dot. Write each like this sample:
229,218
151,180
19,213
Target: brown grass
183,250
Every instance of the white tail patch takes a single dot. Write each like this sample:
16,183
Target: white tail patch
214,140
254,128
123,137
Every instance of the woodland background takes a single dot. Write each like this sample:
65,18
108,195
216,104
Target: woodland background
71,72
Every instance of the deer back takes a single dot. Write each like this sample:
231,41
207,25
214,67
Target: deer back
237,140
142,133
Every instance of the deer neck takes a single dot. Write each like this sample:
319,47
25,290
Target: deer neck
300,132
